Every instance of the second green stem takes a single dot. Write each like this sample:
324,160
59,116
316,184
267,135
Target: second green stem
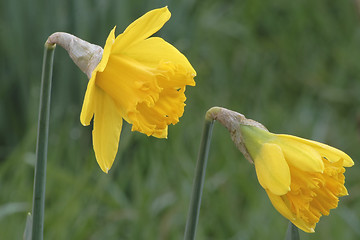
194,210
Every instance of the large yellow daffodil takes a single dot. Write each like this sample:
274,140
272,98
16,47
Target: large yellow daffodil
140,79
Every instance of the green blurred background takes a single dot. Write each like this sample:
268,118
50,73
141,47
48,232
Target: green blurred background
292,65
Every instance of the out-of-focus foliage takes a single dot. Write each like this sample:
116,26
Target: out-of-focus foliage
292,65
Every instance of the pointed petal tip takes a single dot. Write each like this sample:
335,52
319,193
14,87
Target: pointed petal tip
348,162
82,120
300,224
85,120
112,32
163,10
104,169
166,9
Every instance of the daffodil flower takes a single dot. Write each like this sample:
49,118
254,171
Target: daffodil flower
136,77
141,79
303,179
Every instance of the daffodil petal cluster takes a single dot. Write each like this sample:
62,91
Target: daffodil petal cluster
303,179
140,79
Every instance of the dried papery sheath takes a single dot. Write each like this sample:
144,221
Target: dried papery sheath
85,55
232,121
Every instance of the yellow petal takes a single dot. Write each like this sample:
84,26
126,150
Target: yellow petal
331,153
106,132
87,110
300,155
107,50
272,169
142,28
154,50
282,205
303,225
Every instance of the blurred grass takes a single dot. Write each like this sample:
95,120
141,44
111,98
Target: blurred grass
292,65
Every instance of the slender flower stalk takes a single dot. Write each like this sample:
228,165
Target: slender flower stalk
199,179
42,145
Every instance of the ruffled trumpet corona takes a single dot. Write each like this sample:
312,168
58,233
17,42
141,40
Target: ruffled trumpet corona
303,179
136,77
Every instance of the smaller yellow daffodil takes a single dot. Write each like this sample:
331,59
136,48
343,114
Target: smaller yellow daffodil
138,78
303,179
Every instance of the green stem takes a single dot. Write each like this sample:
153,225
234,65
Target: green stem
42,144
199,178
292,232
